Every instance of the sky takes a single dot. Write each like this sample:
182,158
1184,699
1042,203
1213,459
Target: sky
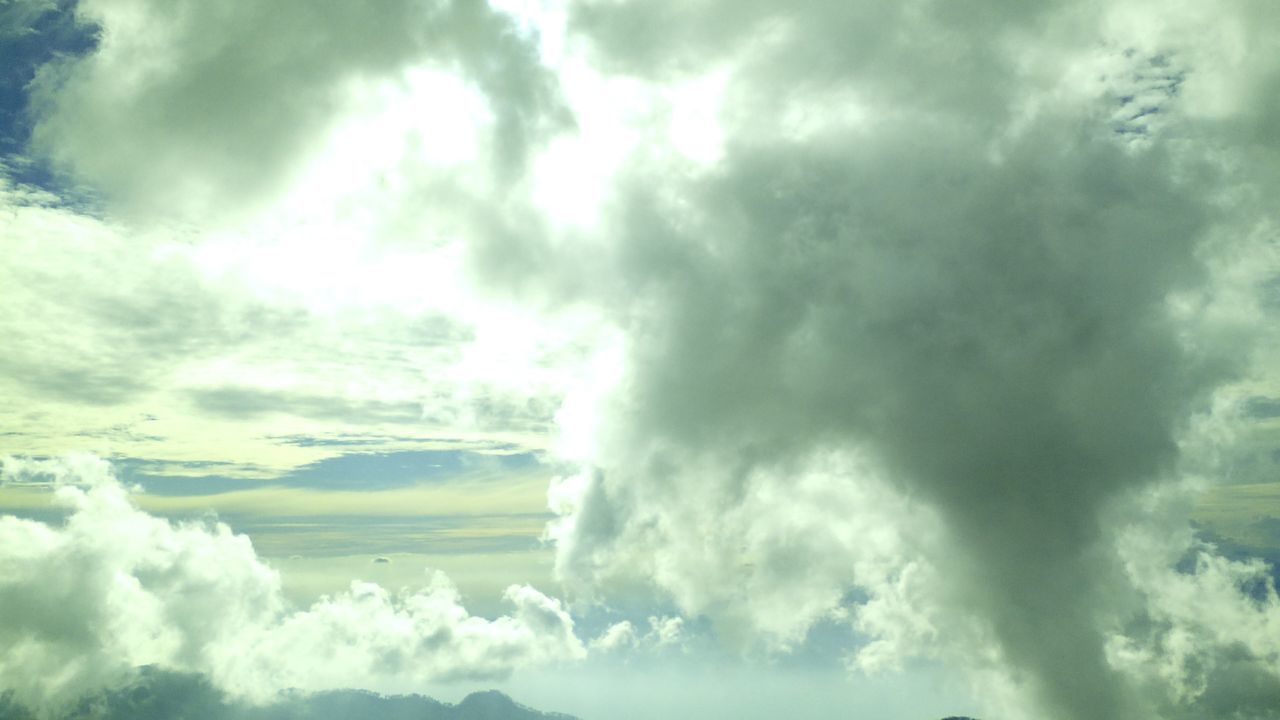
645,358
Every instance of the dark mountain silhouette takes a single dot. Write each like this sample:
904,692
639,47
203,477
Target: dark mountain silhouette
162,695
493,705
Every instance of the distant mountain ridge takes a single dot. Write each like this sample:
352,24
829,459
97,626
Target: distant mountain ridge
162,695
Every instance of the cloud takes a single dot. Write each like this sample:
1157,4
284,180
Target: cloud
113,588
153,340
99,315
241,402
615,637
920,349
1262,408
226,103
664,633
766,555
1205,642
1005,359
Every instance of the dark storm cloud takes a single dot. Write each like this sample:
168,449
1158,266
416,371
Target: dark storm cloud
979,297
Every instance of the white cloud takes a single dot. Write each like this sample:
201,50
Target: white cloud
618,636
112,588
665,631
226,104
1209,629
765,556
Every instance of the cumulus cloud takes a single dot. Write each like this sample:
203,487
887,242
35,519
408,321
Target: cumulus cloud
1204,643
918,350
664,633
111,589
766,558
616,637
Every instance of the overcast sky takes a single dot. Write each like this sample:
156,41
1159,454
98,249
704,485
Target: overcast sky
645,358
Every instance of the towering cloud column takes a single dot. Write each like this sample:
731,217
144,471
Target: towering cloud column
990,279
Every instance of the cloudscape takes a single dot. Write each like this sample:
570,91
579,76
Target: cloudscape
640,359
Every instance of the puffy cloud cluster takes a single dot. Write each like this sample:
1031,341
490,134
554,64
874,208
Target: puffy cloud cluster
1205,641
112,588
664,632
766,557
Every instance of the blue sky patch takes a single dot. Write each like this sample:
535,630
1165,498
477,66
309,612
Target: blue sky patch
352,471
377,471
32,34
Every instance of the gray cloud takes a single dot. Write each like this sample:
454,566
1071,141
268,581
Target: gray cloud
242,402
1004,351
228,99
981,286
1262,408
